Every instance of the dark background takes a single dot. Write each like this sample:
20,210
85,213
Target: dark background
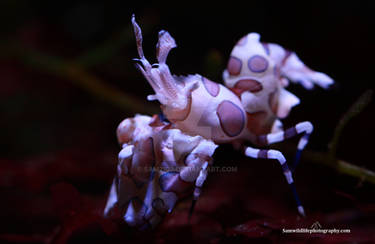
58,146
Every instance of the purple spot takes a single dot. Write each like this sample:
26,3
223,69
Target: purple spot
247,85
257,64
234,66
212,88
232,118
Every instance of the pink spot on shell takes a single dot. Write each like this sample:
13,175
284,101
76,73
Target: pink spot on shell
212,87
257,64
247,85
234,66
232,118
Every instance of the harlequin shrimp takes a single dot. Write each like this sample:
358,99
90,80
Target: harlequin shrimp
257,73
247,110
158,165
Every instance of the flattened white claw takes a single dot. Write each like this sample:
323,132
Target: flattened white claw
322,80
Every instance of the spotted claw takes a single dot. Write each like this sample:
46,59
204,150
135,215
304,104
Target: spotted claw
296,71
